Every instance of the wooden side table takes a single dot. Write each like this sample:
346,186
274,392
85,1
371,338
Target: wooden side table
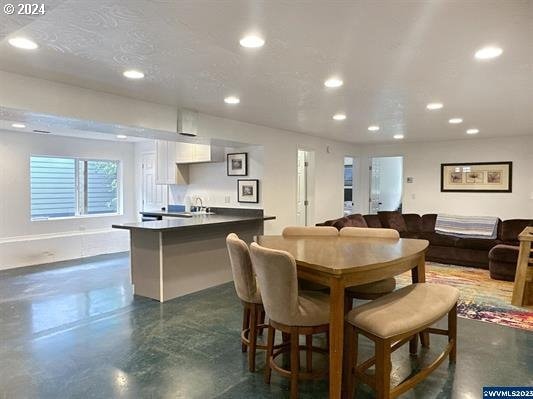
523,282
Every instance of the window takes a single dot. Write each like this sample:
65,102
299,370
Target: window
67,187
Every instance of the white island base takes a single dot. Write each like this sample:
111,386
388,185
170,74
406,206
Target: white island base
167,264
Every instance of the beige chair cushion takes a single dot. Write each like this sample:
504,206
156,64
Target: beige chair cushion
369,232
294,231
276,273
376,288
405,310
241,268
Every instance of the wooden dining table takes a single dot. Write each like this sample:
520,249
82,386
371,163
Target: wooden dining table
340,262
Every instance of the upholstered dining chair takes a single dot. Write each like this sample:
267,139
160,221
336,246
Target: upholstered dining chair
249,293
310,231
371,290
306,231
289,311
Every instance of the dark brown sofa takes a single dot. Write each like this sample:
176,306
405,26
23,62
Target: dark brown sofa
501,253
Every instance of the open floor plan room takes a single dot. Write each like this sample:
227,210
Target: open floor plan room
266,199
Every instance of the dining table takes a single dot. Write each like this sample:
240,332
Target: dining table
340,262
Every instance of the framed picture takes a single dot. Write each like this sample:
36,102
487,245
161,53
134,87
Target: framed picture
248,190
481,177
237,164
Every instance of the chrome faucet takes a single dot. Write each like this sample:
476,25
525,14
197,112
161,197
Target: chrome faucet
201,204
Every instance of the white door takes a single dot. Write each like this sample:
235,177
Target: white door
153,195
386,184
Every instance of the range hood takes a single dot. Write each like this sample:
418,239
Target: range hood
188,122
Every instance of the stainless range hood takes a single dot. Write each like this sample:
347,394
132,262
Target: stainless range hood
188,122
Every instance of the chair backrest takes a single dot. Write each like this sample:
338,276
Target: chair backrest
295,231
369,232
241,267
276,274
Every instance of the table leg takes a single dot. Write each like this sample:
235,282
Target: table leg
520,289
336,337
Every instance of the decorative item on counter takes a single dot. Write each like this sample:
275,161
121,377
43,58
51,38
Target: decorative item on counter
237,164
248,190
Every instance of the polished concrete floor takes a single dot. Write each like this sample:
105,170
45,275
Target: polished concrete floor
74,330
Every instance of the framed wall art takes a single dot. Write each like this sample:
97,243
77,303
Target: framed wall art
481,177
248,190
237,164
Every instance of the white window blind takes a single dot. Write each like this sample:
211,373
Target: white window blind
66,187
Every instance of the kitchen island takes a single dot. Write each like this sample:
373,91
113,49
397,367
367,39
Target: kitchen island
178,256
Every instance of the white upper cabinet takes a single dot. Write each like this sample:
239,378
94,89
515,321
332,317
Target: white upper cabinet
167,170
196,153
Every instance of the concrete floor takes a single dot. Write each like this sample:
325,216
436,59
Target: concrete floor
74,330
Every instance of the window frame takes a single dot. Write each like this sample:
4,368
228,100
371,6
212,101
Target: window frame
78,192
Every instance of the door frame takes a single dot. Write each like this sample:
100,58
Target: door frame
310,177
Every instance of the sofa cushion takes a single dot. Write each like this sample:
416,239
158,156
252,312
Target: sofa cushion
410,234
440,240
413,222
477,243
428,222
373,221
392,220
512,227
350,221
356,220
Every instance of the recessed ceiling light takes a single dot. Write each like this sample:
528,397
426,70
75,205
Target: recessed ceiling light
232,100
434,106
373,128
455,121
333,82
133,74
19,125
23,43
339,117
472,131
488,53
398,136
121,136
252,41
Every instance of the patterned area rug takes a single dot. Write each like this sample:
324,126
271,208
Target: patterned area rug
481,298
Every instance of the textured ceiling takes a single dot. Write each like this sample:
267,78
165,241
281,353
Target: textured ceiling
394,57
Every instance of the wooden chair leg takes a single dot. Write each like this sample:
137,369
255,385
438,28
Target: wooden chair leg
262,316
452,332
270,348
253,338
348,303
424,339
309,352
413,345
245,325
351,339
383,369
295,362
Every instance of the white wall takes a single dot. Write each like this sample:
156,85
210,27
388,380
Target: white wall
210,182
23,242
422,162
279,182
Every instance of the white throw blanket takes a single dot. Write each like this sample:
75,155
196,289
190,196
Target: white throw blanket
467,226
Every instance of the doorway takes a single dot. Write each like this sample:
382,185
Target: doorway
305,188
386,175
350,186
153,195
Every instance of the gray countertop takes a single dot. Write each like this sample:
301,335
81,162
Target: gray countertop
191,222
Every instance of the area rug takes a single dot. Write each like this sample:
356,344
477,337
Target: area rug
481,298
